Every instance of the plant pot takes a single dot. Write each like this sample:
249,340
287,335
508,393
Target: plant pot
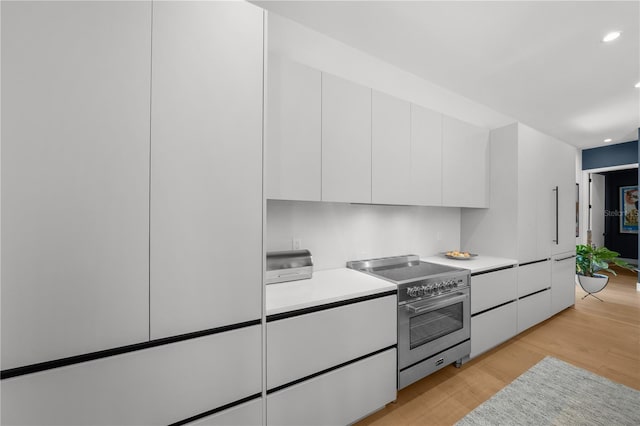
593,284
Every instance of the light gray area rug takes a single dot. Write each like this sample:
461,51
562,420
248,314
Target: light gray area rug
553,392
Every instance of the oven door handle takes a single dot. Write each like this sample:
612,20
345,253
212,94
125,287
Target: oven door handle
418,308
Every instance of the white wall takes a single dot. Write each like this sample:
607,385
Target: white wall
301,44
338,232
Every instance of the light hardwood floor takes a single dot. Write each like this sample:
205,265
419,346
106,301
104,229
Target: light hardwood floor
602,337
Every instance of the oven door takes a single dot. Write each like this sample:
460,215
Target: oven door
429,326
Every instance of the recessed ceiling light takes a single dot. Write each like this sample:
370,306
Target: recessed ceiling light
608,140
638,85
611,36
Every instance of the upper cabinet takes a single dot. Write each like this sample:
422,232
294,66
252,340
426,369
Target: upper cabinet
206,166
293,144
75,178
346,141
390,150
426,157
465,164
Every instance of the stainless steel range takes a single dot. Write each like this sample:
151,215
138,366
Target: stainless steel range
434,314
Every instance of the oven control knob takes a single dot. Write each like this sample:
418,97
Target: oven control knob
429,291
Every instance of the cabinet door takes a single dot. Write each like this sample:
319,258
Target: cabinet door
304,345
563,292
206,166
339,397
247,414
292,146
493,289
390,150
533,309
346,141
562,169
465,164
75,178
155,386
534,277
426,157
492,328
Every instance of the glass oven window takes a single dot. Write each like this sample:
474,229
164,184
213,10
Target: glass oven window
432,325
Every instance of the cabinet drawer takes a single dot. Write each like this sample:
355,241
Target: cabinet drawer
155,386
339,397
493,289
533,309
534,277
247,414
492,328
306,344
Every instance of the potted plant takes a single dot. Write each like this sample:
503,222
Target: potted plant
590,260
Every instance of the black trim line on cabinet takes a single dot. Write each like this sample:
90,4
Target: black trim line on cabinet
92,356
303,311
424,359
534,293
502,268
493,307
217,410
327,370
534,261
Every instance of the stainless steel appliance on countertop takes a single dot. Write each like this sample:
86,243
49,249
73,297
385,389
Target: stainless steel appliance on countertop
290,265
434,314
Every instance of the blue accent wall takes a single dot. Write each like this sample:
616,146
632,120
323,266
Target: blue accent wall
610,155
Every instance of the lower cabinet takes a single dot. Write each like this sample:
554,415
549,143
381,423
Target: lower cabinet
247,414
563,292
155,386
533,309
493,327
534,277
339,397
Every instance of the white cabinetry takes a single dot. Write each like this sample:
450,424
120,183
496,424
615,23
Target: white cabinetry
534,277
465,164
346,141
206,166
426,157
303,345
493,309
338,397
75,178
563,292
533,309
155,386
526,167
293,145
247,414
391,150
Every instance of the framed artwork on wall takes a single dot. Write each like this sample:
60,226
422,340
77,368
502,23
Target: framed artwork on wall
629,209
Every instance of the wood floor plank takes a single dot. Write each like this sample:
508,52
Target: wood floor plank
602,337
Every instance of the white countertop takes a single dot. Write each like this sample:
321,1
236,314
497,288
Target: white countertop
476,264
333,285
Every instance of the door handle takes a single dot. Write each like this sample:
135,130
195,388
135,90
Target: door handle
557,231
416,309
565,258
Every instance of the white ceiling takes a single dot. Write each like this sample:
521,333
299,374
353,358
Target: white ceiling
541,62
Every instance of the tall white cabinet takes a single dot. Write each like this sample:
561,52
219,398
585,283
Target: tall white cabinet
346,141
75,178
206,166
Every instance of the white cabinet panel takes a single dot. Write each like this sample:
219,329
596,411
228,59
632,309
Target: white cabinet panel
534,277
293,145
155,386
346,141
492,328
390,150
563,171
303,345
247,414
206,165
339,397
493,289
426,157
533,309
75,178
563,292
465,164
